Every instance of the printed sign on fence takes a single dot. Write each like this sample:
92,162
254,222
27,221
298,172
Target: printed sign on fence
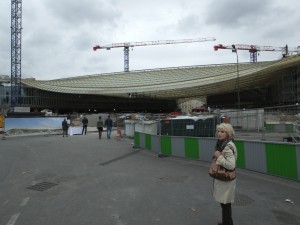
190,127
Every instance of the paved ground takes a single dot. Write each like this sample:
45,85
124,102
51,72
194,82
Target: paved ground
81,180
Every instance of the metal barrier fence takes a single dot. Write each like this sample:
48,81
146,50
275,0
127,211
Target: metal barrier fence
277,159
274,124
280,124
194,127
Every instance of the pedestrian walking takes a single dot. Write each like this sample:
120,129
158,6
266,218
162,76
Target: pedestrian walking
100,127
108,125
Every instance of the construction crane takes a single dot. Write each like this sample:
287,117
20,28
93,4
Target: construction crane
127,45
253,49
16,37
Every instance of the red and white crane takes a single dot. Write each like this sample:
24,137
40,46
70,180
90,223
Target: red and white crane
127,45
253,49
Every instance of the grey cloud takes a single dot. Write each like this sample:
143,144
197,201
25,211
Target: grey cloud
42,37
78,12
233,13
83,43
283,26
190,24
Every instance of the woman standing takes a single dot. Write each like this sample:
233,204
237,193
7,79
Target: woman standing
226,155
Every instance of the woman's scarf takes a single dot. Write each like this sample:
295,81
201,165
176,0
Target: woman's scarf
221,144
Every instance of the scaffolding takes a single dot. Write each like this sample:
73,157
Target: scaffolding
288,87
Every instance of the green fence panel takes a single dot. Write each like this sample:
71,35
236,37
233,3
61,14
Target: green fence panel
148,141
137,139
240,163
281,160
270,127
166,145
191,148
289,127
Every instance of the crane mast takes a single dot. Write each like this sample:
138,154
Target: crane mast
16,36
253,49
127,45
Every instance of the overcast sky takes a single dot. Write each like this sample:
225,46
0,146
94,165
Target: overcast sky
58,36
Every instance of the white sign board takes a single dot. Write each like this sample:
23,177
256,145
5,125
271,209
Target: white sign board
190,127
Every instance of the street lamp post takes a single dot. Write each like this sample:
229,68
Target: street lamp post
238,76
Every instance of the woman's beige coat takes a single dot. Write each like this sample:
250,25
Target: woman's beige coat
224,191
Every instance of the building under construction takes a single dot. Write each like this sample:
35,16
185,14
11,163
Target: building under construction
244,85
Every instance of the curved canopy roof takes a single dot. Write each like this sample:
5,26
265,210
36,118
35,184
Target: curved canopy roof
171,83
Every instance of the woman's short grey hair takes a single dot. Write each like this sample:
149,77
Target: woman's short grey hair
227,128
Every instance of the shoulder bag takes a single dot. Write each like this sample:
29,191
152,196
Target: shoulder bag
221,173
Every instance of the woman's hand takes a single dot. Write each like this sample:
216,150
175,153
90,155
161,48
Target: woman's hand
217,154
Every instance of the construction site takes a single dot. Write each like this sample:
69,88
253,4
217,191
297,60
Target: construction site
136,146
256,96
266,90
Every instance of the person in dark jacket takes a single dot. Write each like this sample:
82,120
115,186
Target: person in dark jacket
100,127
108,124
85,122
65,127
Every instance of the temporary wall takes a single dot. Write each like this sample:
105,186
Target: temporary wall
274,158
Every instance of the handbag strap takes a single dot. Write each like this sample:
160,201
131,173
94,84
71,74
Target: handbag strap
231,147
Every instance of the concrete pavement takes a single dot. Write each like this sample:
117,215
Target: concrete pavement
81,180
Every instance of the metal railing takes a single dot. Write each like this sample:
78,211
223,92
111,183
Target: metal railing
278,124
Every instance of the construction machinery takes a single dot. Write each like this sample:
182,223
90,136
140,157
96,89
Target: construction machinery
253,49
127,45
